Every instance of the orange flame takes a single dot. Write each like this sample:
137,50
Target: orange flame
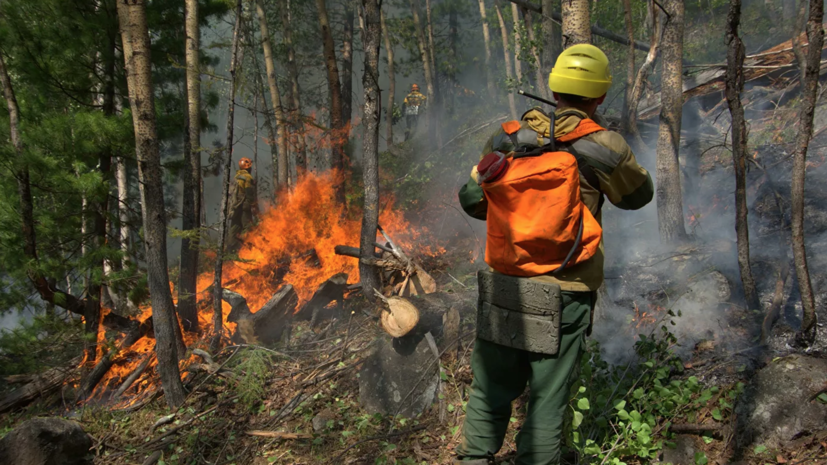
293,243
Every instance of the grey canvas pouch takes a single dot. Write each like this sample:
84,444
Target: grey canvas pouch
519,312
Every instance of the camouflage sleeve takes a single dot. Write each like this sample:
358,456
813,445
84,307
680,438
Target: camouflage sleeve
626,184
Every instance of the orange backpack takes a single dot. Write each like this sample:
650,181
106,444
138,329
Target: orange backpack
537,222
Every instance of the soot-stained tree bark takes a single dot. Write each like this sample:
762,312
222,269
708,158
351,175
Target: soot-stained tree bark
191,218
734,86
391,78
296,113
368,275
670,200
518,43
486,37
507,55
335,96
135,33
275,97
810,64
577,28
218,322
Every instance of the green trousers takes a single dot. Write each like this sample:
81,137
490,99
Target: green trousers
500,376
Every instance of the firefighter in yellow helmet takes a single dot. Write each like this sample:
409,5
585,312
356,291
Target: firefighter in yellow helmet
242,204
412,107
537,340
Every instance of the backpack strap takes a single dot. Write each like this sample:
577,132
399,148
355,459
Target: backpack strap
584,128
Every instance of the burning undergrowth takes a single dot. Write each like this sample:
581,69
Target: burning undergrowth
292,243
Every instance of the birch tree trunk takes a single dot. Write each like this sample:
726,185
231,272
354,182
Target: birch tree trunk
810,65
518,43
218,323
347,68
187,308
293,72
734,86
122,180
507,54
552,43
138,67
486,37
577,27
275,97
391,77
337,136
370,143
670,198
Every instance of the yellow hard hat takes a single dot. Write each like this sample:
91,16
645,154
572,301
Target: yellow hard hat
582,70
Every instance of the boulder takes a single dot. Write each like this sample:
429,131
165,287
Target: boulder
399,377
46,441
779,403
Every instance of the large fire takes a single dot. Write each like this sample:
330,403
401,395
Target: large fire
293,243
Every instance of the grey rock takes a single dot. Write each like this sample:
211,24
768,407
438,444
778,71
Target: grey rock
777,404
683,454
46,441
399,377
319,422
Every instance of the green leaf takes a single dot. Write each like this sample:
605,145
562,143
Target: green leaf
822,397
582,389
443,376
578,419
583,404
700,458
620,405
760,449
716,414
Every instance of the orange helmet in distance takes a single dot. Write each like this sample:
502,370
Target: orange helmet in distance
415,87
245,163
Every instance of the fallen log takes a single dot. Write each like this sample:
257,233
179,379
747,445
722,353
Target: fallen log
277,435
267,324
331,290
87,386
19,379
136,373
44,384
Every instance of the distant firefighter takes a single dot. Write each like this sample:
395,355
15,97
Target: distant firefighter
242,204
412,107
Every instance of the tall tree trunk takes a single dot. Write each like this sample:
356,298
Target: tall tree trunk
187,280
788,13
391,77
275,97
640,82
218,323
122,180
425,55
577,26
434,127
507,54
670,200
734,86
347,67
296,117
809,64
486,37
552,44
630,63
335,95
138,65
518,43
539,77
368,275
